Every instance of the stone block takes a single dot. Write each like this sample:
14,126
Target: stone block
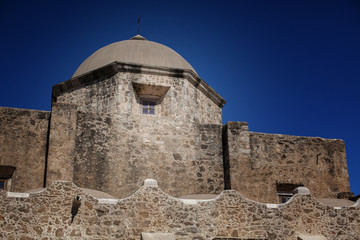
302,191
150,183
311,237
157,236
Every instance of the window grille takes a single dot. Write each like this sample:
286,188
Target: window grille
148,108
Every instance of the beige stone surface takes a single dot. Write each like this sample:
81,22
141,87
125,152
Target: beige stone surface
61,142
114,154
259,161
97,194
311,237
200,196
333,202
47,215
23,136
116,95
157,236
116,146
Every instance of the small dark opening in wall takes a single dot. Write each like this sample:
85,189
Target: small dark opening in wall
285,191
3,184
287,187
6,172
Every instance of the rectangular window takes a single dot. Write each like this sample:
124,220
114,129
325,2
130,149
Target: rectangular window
148,108
284,198
3,184
6,173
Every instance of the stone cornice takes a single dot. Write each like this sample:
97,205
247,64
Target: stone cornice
115,67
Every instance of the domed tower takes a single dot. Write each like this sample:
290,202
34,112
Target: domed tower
133,110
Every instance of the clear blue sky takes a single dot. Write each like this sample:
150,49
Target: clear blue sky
289,67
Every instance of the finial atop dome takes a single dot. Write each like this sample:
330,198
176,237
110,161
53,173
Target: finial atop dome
138,37
139,25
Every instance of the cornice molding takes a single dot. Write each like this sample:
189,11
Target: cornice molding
116,67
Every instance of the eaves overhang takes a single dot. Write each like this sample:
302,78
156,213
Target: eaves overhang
116,67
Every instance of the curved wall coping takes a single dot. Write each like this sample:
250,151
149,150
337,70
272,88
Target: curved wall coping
17,195
108,201
151,183
292,135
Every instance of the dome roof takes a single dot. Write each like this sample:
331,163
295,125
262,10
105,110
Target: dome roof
137,50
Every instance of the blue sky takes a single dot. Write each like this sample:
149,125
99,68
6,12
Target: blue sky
289,67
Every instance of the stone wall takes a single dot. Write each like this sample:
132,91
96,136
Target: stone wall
47,215
265,160
116,95
113,153
23,137
115,146
62,135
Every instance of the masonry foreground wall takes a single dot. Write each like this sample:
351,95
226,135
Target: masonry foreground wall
258,161
23,136
47,215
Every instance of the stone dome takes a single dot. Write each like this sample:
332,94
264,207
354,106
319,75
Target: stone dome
137,50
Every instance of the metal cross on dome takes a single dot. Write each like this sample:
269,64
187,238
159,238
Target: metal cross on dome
138,25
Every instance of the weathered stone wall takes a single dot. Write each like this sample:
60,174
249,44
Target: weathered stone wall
113,153
47,215
115,95
116,146
23,136
263,160
62,135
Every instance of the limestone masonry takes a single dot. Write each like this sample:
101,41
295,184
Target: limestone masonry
137,110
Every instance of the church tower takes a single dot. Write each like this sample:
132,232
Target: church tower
133,110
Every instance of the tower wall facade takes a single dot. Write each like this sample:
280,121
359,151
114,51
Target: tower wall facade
116,146
116,95
114,154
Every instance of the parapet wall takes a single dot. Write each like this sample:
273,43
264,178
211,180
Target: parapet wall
258,162
23,137
47,215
